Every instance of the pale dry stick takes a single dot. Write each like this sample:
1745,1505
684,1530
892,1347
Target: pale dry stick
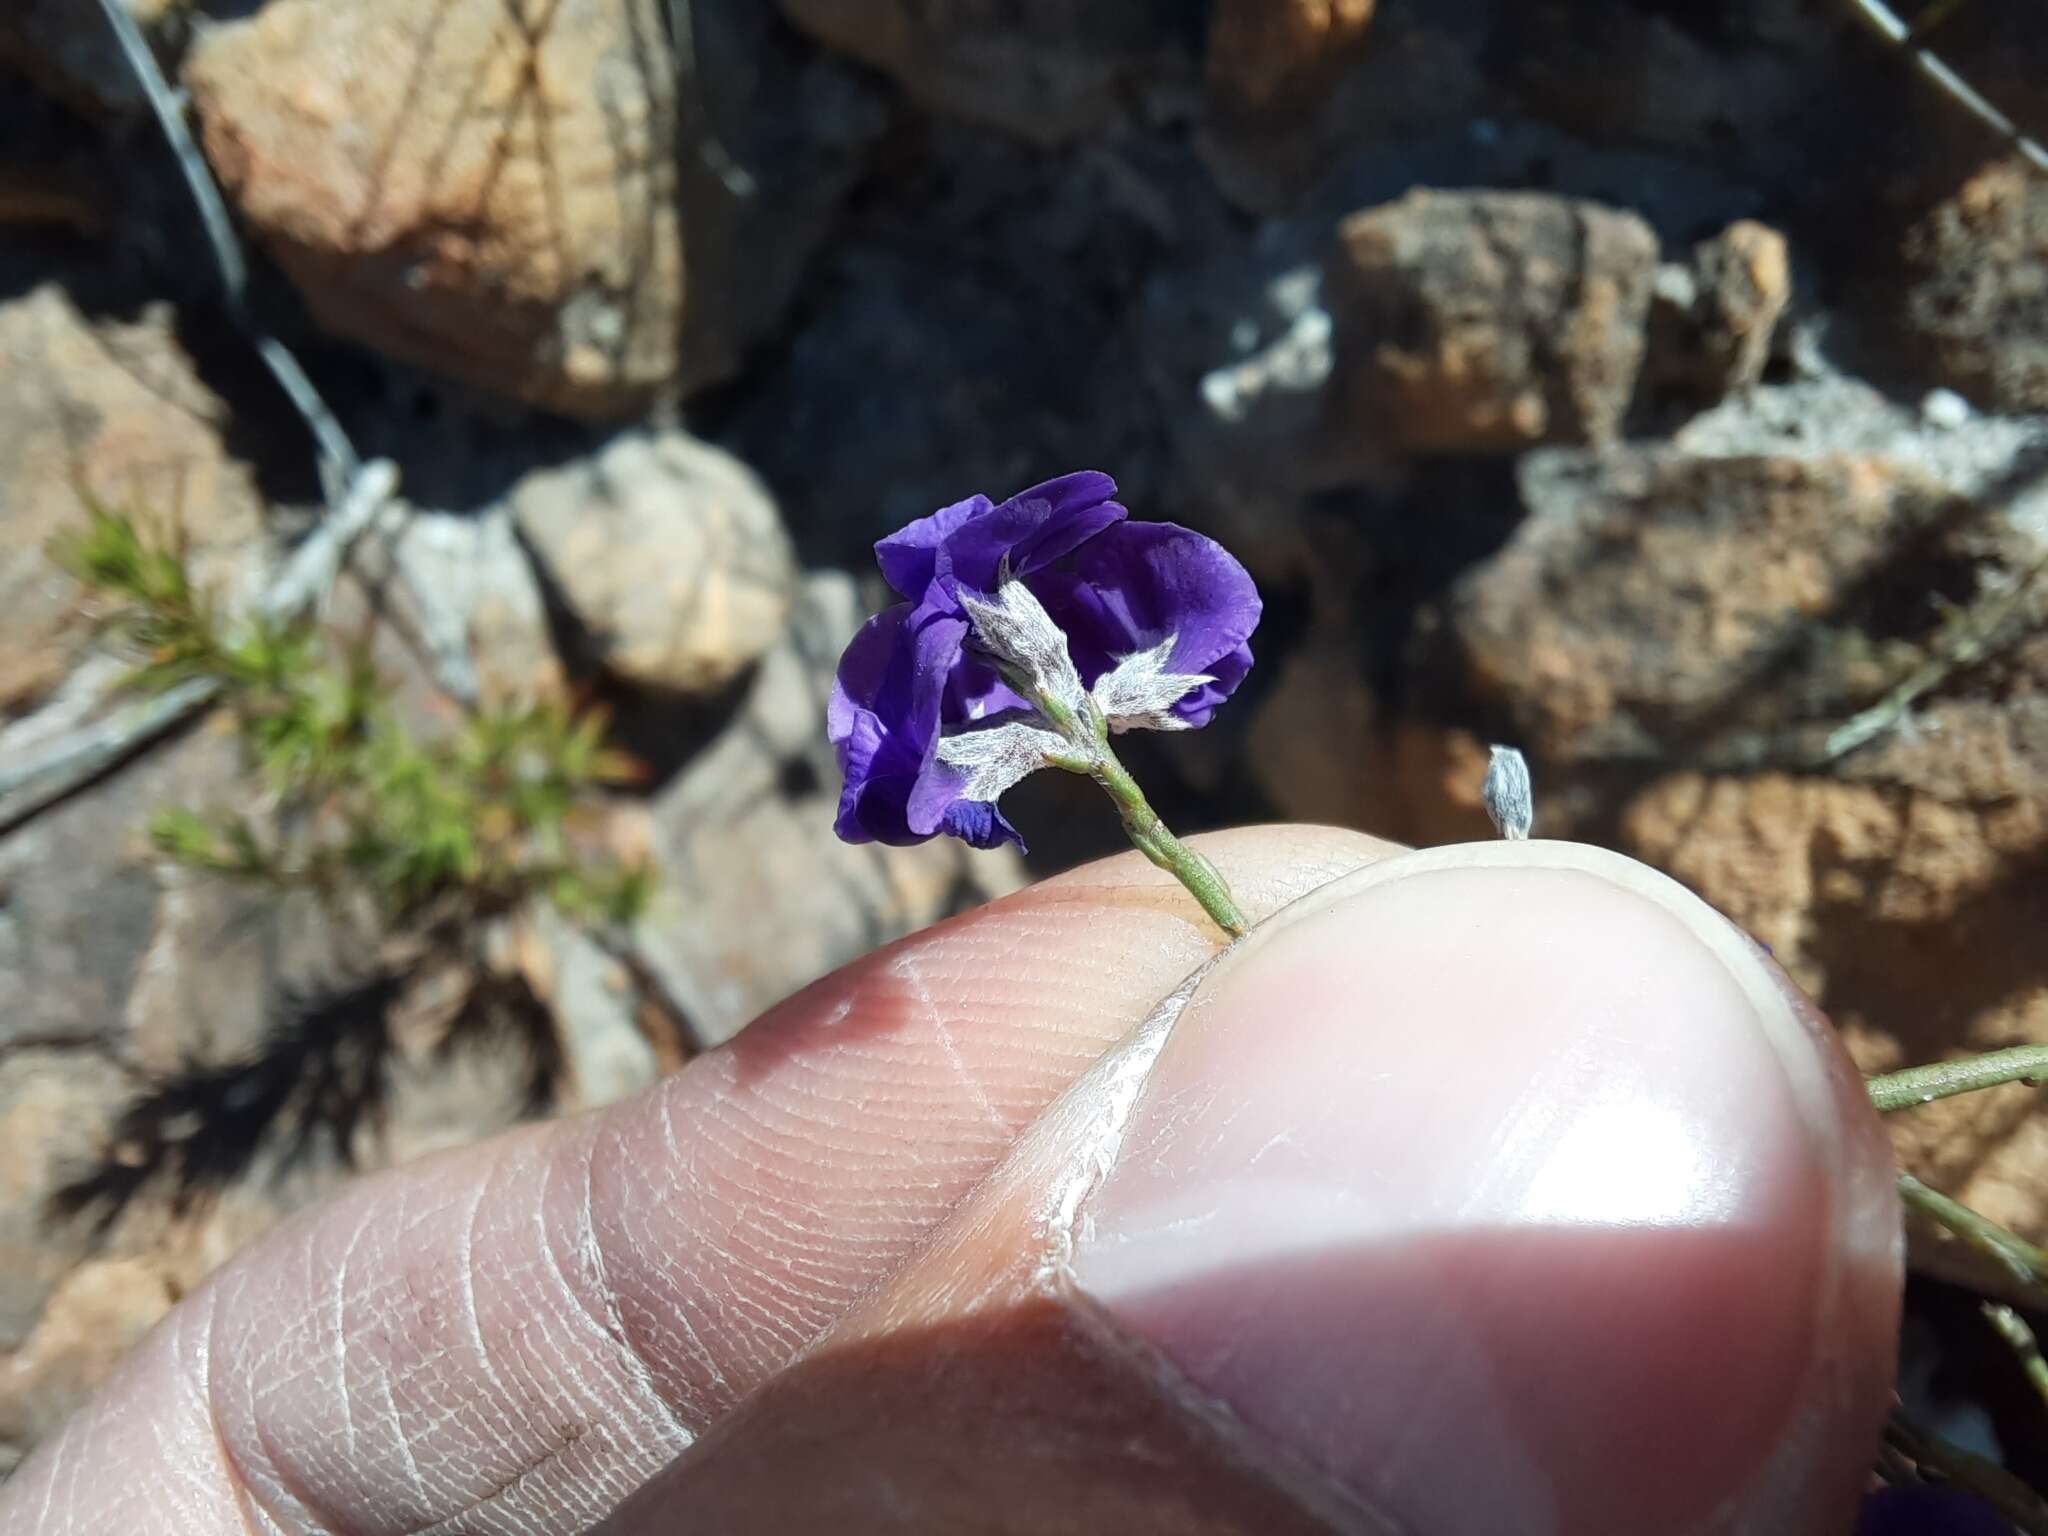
1979,632
36,780
682,31
1886,23
338,462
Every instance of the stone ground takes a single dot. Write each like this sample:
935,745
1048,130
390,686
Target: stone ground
1654,390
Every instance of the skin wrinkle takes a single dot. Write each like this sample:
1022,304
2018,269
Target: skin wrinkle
466,1518
603,1313
201,1389
466,1268
339,1311
1127,1068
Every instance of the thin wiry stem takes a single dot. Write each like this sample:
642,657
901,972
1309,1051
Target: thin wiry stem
1150,836
2025,1265
338,462
1997,1487
2011,1327
1923,1085
1886,23
1979,632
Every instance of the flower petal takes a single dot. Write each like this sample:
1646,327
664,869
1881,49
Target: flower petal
980,825
1135,584
1077,507
969,543
910,557
883,719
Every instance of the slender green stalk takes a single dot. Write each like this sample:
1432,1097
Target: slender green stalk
1923,1085
2026,1264
1990,1482
2011,1327
1093,756
1151,837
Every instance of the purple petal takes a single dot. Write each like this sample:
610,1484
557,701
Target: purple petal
967,543
980,825
1078,507
909,558
883,719
1928,1511
1137,583
975,692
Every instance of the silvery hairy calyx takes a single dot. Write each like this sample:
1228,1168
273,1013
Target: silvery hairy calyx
1031,632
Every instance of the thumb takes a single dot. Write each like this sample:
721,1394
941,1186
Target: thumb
1503,1186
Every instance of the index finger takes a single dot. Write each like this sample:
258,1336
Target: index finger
514,1336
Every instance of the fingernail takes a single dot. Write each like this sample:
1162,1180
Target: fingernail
1505,1187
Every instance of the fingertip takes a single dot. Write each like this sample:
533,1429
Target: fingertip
1514,1156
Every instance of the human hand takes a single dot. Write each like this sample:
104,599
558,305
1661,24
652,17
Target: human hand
1502,1187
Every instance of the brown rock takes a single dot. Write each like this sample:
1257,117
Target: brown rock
54,1104
118,970
1476,322
757,896
1979,302
1912,912
1265,55
1713,319
483,189
1045,70
1650,595
99,1311
463,599
668,552
112,410
1323,752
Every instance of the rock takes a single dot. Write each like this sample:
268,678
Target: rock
54,1105
1484,322
784,131
849,422
606,1056
119,971
1653,598
1046,70
1909,903
1978,301
1712,320
486,197
667,552
757,896
461,586
99,1312
1264,56
1323,751
112,409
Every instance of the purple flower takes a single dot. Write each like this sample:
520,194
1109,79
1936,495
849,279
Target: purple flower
1115,592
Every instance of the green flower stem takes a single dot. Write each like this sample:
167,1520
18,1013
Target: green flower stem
2026,1264
1150,836
2013,1328
1990,1482
1923,1085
